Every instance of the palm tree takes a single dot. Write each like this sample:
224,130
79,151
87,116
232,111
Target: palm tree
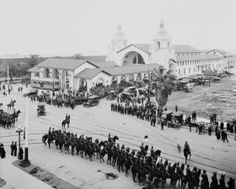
164,85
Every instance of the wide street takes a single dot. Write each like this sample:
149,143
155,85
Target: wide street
98,121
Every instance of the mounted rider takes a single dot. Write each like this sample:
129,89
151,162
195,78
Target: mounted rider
187,151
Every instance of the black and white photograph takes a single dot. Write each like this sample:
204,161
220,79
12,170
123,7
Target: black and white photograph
117,94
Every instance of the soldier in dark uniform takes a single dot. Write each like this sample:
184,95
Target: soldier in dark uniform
231,184
222,182
2,151
214,182
162,125
204,182
15,149
221,125
12,148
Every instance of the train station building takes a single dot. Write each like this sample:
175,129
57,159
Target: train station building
128,62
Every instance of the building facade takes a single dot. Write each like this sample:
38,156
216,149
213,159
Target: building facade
128,62
182,60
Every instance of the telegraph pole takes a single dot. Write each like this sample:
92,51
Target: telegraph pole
8,77
149,86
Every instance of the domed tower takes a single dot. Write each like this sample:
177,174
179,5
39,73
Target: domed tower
161,49
118,41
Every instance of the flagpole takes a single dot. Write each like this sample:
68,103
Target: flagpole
26,130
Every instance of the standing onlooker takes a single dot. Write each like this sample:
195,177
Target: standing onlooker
12,148
176,108
2,151
222,182
15,149
204,182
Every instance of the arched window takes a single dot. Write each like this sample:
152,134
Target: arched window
158,46
139,77
46,73
131,77
55,74
123,78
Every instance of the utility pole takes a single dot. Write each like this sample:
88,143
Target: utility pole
8,77
149,86
26,130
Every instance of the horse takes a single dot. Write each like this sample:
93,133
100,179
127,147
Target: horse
64,122
11,105
44,139
16,115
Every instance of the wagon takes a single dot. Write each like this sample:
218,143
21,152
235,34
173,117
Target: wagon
41,109
111,95
92,101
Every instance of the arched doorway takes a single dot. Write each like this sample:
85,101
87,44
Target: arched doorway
82,85
46,73
132,57
100,82
55,74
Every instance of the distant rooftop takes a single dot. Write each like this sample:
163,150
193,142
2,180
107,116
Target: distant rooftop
98,58
70,64
34,69
186,49
130,69
104,64
198,57
62,63
178,48
115,71
88,73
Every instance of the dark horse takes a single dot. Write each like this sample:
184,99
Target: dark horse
187,152
47,138
64,122
16,115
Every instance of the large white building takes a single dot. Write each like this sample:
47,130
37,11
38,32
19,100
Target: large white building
128,62
183,60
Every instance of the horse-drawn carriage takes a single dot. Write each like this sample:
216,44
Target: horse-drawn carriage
41,109
30,94
92,101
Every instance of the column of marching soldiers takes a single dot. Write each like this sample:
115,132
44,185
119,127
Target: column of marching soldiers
145,165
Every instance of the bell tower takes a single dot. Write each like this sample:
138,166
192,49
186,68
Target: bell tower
118,41
161,48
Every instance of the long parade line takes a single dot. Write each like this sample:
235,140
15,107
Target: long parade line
36,142
97,125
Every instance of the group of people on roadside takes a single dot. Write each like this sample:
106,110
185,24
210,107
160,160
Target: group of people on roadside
137,109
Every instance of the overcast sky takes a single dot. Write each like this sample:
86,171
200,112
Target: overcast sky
81,26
